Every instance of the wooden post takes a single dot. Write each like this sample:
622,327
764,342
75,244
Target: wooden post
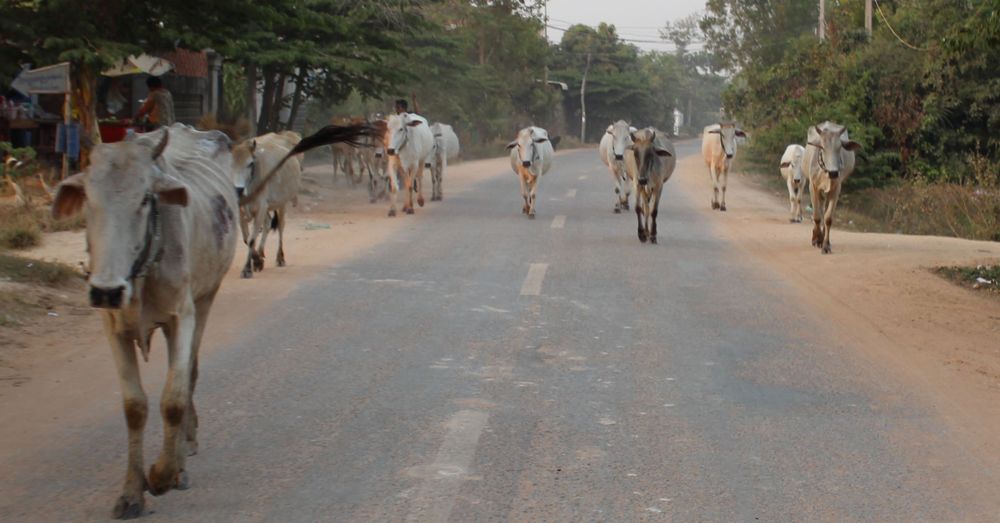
583,103
822,20
868,17
67,117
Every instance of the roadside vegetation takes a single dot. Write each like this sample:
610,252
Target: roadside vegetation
984,278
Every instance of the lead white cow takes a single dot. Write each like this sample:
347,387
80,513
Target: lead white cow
530,157
446,148
614,143
828,161
409,144
718,147
161,233
251,159
791,171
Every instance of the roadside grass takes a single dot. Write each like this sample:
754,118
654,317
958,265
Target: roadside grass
22,228
985,278
25,270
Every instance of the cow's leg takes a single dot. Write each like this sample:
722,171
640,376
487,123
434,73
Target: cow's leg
408,183
714,175
640,213
627,187
619,192
168,471
524,193
394,187
262,225
831,204
248,268
792,191
420,185
654,212
201,309
279,215
532,192
817,237
130,504
724,179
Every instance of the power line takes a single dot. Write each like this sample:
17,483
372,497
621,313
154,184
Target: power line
894,33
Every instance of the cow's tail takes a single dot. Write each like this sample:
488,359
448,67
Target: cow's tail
275,222
329,135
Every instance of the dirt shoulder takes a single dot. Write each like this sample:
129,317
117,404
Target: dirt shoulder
878,295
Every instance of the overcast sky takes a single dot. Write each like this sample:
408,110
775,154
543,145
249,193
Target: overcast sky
634,19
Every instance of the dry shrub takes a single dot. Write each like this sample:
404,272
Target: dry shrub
941,209
236,131
21,228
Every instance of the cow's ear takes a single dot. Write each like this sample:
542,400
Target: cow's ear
541,140
851,145
414,123
662,152
70,195
170,190
253,146
631,135
741,133
512,145
715,131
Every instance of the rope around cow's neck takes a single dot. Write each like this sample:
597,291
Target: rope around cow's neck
150,251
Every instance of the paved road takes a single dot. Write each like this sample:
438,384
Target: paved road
485,367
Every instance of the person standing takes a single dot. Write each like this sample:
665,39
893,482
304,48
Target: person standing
159,105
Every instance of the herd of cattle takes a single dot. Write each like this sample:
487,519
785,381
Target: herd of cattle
162,215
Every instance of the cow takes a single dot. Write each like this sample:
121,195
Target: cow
718,147
791,171
409,143
650,162
613,147
252,158
376,163
828,161
530,157
446,148
161,234
345,155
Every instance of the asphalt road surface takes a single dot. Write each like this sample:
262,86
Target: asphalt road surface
481,366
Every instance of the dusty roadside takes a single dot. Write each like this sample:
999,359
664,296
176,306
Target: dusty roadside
878,295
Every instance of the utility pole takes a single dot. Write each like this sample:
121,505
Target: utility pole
822,20
868,18
583,103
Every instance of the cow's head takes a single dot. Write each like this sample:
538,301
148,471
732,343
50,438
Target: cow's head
398,131
122,193
244,166
525,143
621,138
728,132
831,139
646,152
382,126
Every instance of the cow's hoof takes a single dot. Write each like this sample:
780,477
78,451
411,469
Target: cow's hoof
247,272
392,212
281,261
183,481
531,215
409,210
625,206
722,207
827,250
618,210
128,507
524,210
652,239
161,481
715,206
420,201
642,237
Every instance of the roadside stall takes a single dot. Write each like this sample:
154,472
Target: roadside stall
31,114
117,93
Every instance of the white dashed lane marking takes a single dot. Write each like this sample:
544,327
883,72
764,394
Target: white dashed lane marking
532,285
559,222
571,193
582,177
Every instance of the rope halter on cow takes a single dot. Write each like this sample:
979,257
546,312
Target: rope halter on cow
151,249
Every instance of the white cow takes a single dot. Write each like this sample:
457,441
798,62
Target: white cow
267,210
718,147
161,233
446,148
530,157
828,161
409,143
650,162
615,141
791,171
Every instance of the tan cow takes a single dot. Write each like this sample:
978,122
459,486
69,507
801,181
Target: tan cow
650,161
267,211
718,147
161,232
531,157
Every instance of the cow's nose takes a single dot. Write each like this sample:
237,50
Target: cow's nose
107,298
619,157
643,181
525,164
378,155
427,166
834,175
729,156
390,152
239,192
